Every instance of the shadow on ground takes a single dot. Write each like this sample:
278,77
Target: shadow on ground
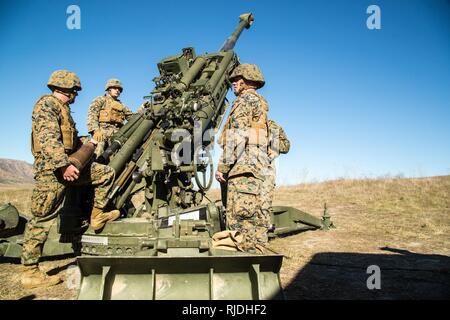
404,275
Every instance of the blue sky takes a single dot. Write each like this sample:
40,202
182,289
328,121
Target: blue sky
354,102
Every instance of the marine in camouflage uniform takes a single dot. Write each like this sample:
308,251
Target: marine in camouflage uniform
244,159
278,143
107,114
54,138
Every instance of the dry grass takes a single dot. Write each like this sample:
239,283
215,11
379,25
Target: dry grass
398,213
18,195
378,209
408,209
408,215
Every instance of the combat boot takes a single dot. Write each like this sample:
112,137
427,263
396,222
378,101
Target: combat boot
33,277
99,218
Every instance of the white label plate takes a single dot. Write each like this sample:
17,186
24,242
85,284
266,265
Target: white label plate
94,239
193,215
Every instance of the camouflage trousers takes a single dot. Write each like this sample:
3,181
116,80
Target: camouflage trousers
268,188
48,195
107,131
244,211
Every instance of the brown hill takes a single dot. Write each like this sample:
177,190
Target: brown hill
15,171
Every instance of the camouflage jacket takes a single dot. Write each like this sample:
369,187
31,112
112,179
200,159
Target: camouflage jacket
98,105
46,124
241,155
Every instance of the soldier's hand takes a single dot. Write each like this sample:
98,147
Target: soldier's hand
70,173
94,142
220,177
98,136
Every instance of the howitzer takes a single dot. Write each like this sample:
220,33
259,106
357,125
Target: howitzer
162,247
188,101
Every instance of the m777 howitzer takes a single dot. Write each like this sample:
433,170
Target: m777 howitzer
163,248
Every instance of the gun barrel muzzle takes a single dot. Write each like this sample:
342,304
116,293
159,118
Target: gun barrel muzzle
245,21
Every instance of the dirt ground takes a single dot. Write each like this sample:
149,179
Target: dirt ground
400,225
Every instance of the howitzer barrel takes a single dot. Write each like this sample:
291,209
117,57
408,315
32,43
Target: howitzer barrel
127,150
121,137
214,81
245,21
192,73
208,112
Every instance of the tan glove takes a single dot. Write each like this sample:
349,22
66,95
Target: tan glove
227,240
98,136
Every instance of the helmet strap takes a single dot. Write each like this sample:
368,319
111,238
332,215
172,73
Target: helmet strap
249,85
71,95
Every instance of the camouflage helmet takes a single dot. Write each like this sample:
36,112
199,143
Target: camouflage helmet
113,83
249,72
64,79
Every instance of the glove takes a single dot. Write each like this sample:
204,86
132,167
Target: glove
98,136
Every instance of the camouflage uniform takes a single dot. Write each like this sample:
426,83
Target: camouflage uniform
244,160
54,137
48,195
108,128
278,143
107,115
278,140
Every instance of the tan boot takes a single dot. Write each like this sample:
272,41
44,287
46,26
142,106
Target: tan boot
33,277
99,218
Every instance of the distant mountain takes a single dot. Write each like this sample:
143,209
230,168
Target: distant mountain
15,171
